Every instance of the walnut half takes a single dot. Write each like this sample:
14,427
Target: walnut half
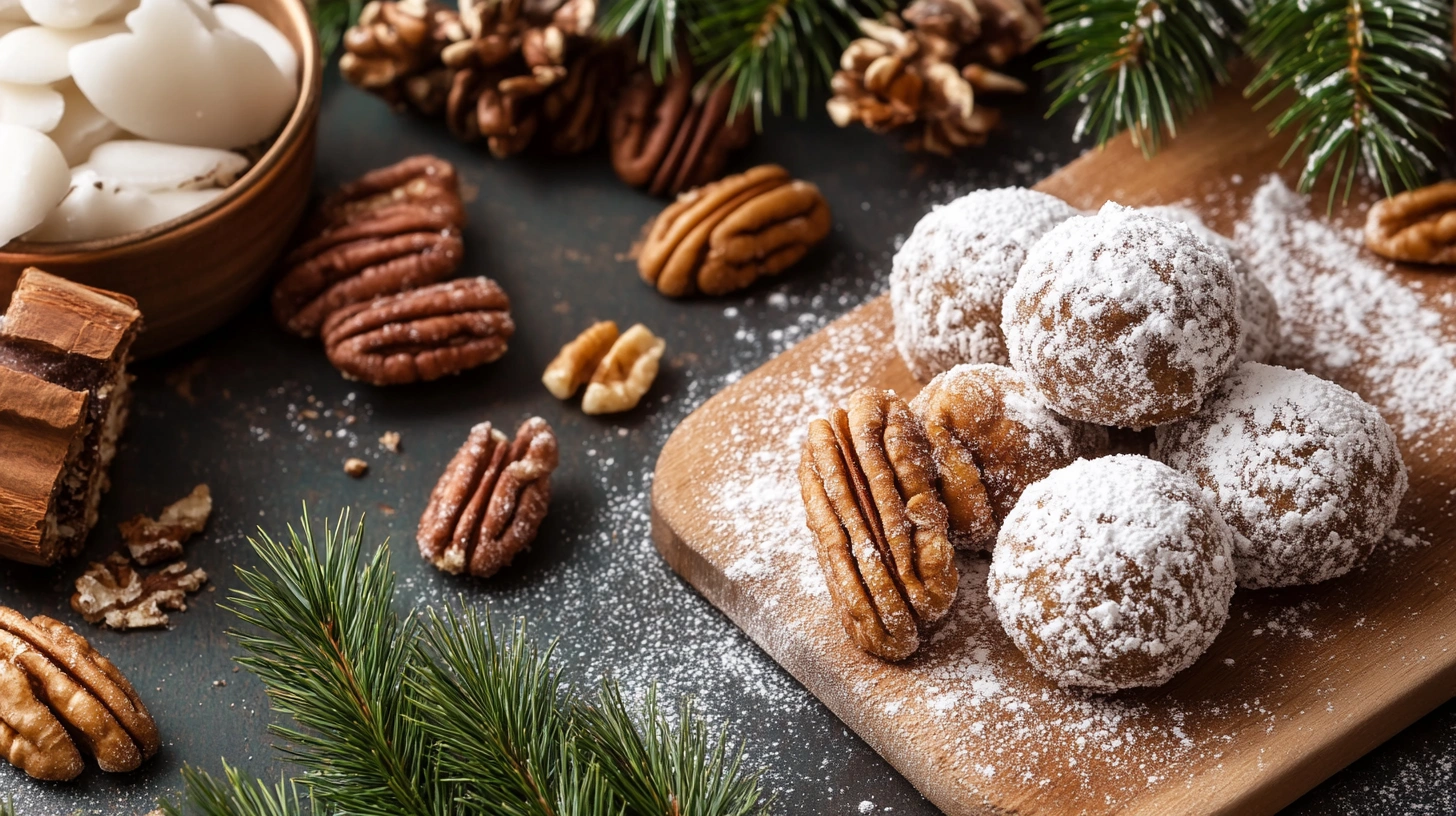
1418,225
869,494
625,374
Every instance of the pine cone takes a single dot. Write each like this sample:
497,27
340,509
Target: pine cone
892,78
394,52
516,51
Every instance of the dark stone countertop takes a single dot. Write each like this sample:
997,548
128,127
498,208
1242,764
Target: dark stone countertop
231,410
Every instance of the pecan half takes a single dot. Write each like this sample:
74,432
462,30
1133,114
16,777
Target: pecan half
1417,225
724,236
869,494
669,139
421,335
574,365
75,686
117,596
490,500
394,229
625,373
151,541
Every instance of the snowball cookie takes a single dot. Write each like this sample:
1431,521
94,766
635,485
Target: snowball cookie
991,435
1306,474
1257,308
1112,573
1123,318
949,278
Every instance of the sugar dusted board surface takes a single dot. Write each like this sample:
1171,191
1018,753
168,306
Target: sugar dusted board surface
1300,683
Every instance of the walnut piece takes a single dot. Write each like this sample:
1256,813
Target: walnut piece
1417,226
869,492
356,467
394,229
578,360
490,500
724,236
56,691
625,373
117,596
389,440
151,541
421,335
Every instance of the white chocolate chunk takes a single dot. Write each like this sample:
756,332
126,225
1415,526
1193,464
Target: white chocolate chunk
67,13
33,178
159,166
82,127
95,209
172,79
32,55
251,25
37,107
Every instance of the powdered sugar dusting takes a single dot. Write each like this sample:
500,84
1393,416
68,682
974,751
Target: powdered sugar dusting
1112,573
1123,318
1347,318
949,278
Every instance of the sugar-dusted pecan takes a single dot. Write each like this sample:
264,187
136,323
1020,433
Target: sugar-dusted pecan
668,139
395,229
724,236
153,540
114,594
869,494
77,687
490,500
625,373
421,335
1417,225
578,360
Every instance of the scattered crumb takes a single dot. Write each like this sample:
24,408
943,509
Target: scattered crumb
356,467
219,683
389,440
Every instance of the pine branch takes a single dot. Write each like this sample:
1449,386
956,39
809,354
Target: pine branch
335,657
234,795
332,18
1139,65
654,23
1372,82
661,769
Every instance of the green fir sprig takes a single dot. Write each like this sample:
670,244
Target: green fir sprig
1139,65
442,714
1371,83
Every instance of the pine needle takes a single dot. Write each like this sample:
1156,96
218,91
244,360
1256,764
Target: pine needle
234,795
1372,83
1139,65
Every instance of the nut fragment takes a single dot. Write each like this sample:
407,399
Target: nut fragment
421,335
1417,226
869,492
356,467
394,229
578,360
625,373
55,688
724,236
490,500
389,440
115,595
152,541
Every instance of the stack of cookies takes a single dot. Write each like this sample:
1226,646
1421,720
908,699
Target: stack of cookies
1100,415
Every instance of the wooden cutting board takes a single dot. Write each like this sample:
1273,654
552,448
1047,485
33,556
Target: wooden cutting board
1300,683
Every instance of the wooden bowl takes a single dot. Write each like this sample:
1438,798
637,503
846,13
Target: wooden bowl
192,273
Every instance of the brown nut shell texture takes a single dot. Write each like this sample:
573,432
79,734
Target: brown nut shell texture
394,229
421,335
59,698
668,138
869,493
724,236
490,500
574,365
1417,226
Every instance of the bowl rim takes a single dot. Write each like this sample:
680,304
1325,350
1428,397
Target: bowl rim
304,110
